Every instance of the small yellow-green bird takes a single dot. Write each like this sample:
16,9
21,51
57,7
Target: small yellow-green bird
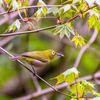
38,58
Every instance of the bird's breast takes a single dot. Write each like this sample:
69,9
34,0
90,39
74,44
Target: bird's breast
38,63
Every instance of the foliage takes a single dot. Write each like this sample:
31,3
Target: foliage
64,30
67,10
78,40
14,25
81,88
68,76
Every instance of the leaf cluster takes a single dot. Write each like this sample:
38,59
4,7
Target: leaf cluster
81,89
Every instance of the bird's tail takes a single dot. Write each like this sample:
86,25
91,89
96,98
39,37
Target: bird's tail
15,58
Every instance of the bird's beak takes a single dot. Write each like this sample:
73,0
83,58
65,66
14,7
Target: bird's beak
59,54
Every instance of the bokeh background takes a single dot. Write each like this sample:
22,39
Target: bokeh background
16,81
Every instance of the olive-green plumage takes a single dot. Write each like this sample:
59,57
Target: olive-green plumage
38,58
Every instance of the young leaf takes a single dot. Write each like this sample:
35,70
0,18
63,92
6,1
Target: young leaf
14,5
62,30
78,40
94,12
78,99
89,86
95,93
90,2
83,6
8,1
24,3
65,8
14,25
68,76
75,1
93,21
66,14
78,88
53,10
40,3
41,11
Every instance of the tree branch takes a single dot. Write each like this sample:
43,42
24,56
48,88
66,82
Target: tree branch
60,86
83,49
27,32
6,12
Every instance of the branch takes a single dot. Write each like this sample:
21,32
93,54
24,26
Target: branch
80,14
83,49
12,15
60,86
6,12
27,32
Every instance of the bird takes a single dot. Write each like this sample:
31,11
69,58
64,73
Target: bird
38,58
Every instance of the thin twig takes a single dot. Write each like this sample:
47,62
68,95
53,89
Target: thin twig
80,14
20,15
6,12
83,49
27,32
38,30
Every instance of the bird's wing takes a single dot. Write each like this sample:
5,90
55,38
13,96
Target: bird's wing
35,55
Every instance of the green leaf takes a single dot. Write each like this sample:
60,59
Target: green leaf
89,86
78,88
62,30
53,10
8,1
90,2
95,93
14,25
78,99
24,3
14,5
66,14
94,11
40,2
1,2
60,79
75,1
65,8
78,40
97,25
68,76
83,6
93,21
41,11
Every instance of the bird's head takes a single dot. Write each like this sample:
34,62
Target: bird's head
51,54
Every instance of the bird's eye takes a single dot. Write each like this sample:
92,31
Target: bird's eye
53,53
